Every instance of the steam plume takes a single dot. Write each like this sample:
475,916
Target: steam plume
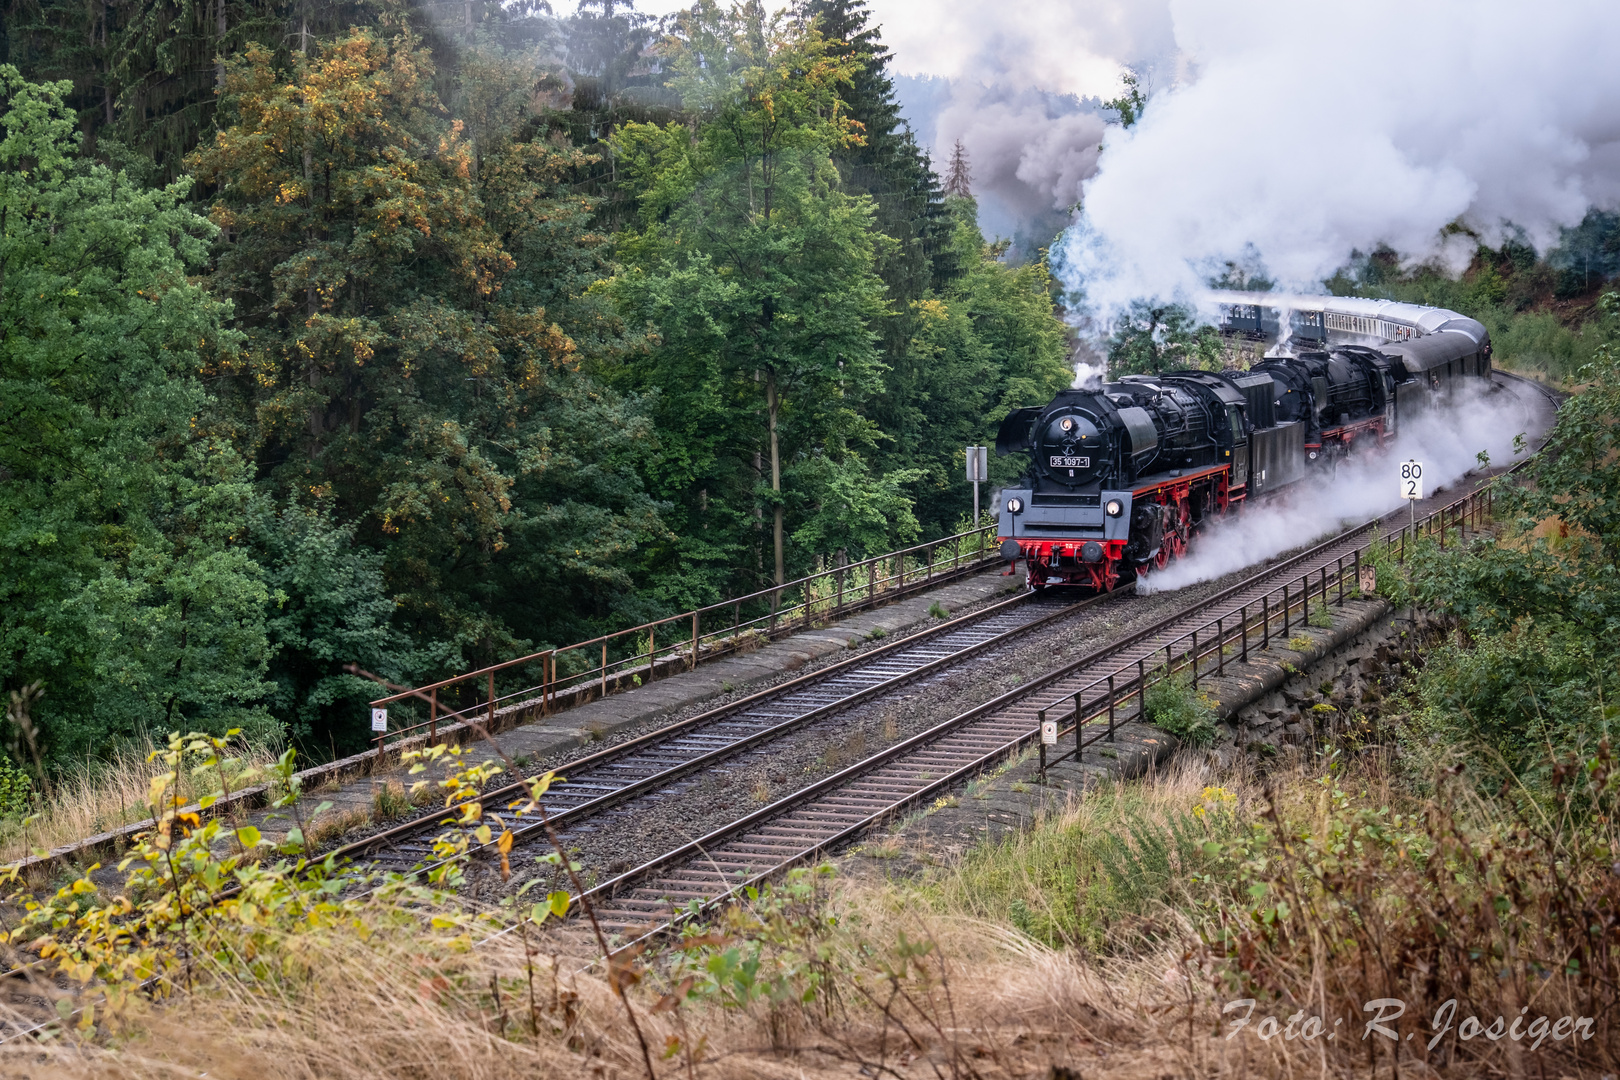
1311,131
1364,487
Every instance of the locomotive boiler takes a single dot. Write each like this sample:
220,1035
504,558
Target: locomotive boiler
1122,475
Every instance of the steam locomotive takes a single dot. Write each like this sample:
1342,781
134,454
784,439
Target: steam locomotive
1122,475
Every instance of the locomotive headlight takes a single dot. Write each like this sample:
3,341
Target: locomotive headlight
1115,508
1067,424
1015,506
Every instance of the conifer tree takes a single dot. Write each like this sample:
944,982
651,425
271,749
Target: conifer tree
959,177
757,273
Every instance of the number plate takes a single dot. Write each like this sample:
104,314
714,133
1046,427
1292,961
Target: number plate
1059,461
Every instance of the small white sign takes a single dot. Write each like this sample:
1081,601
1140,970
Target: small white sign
978,463
379,719
1049,732
1412,480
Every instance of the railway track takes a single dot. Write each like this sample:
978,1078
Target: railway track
842,806
706,872
660,764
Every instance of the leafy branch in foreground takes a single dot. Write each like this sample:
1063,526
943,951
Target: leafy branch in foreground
206,899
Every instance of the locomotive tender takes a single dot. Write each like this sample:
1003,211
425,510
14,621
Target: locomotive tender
1121,475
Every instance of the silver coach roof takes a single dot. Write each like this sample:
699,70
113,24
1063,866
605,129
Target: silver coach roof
1388,320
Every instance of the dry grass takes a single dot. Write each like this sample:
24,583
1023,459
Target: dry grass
983,997
102,796
1006,1008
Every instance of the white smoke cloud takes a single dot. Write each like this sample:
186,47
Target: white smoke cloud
1029,150
1363,488
1313,130
1088,376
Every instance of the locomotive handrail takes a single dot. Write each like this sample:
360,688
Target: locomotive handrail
828,593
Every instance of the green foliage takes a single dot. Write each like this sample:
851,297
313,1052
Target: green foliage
1153,337
126,582
1096,877
1188,714
203,900
1541,599
985,343
403,404
758,273
403,376
1131,101
773,949
16,789
1393,582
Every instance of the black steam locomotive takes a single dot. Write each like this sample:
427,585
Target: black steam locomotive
1121,476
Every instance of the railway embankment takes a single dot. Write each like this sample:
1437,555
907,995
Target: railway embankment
349,787
1279,703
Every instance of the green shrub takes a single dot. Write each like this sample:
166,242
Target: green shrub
936,610
16,789
1394,583
1175,706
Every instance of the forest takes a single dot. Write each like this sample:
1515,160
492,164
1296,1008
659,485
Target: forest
418,335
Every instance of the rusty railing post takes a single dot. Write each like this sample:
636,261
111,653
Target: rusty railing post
1141,692
433,717
492,702
1220,647
1110,718
694,640
1041,732
1076,726
604,668
1195,658
1287,609
1265,622
652,651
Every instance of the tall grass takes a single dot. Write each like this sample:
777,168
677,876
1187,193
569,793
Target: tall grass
100,796
1107,942
1099,874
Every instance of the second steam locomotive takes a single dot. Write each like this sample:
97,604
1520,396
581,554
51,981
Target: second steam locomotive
1120,476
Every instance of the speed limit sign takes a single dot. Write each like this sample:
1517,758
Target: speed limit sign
1412,480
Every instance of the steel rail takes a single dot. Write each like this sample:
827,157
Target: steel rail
708,900
394,838
724,862
701,849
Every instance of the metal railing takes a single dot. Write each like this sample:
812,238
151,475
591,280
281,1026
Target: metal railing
587,669
1202,651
